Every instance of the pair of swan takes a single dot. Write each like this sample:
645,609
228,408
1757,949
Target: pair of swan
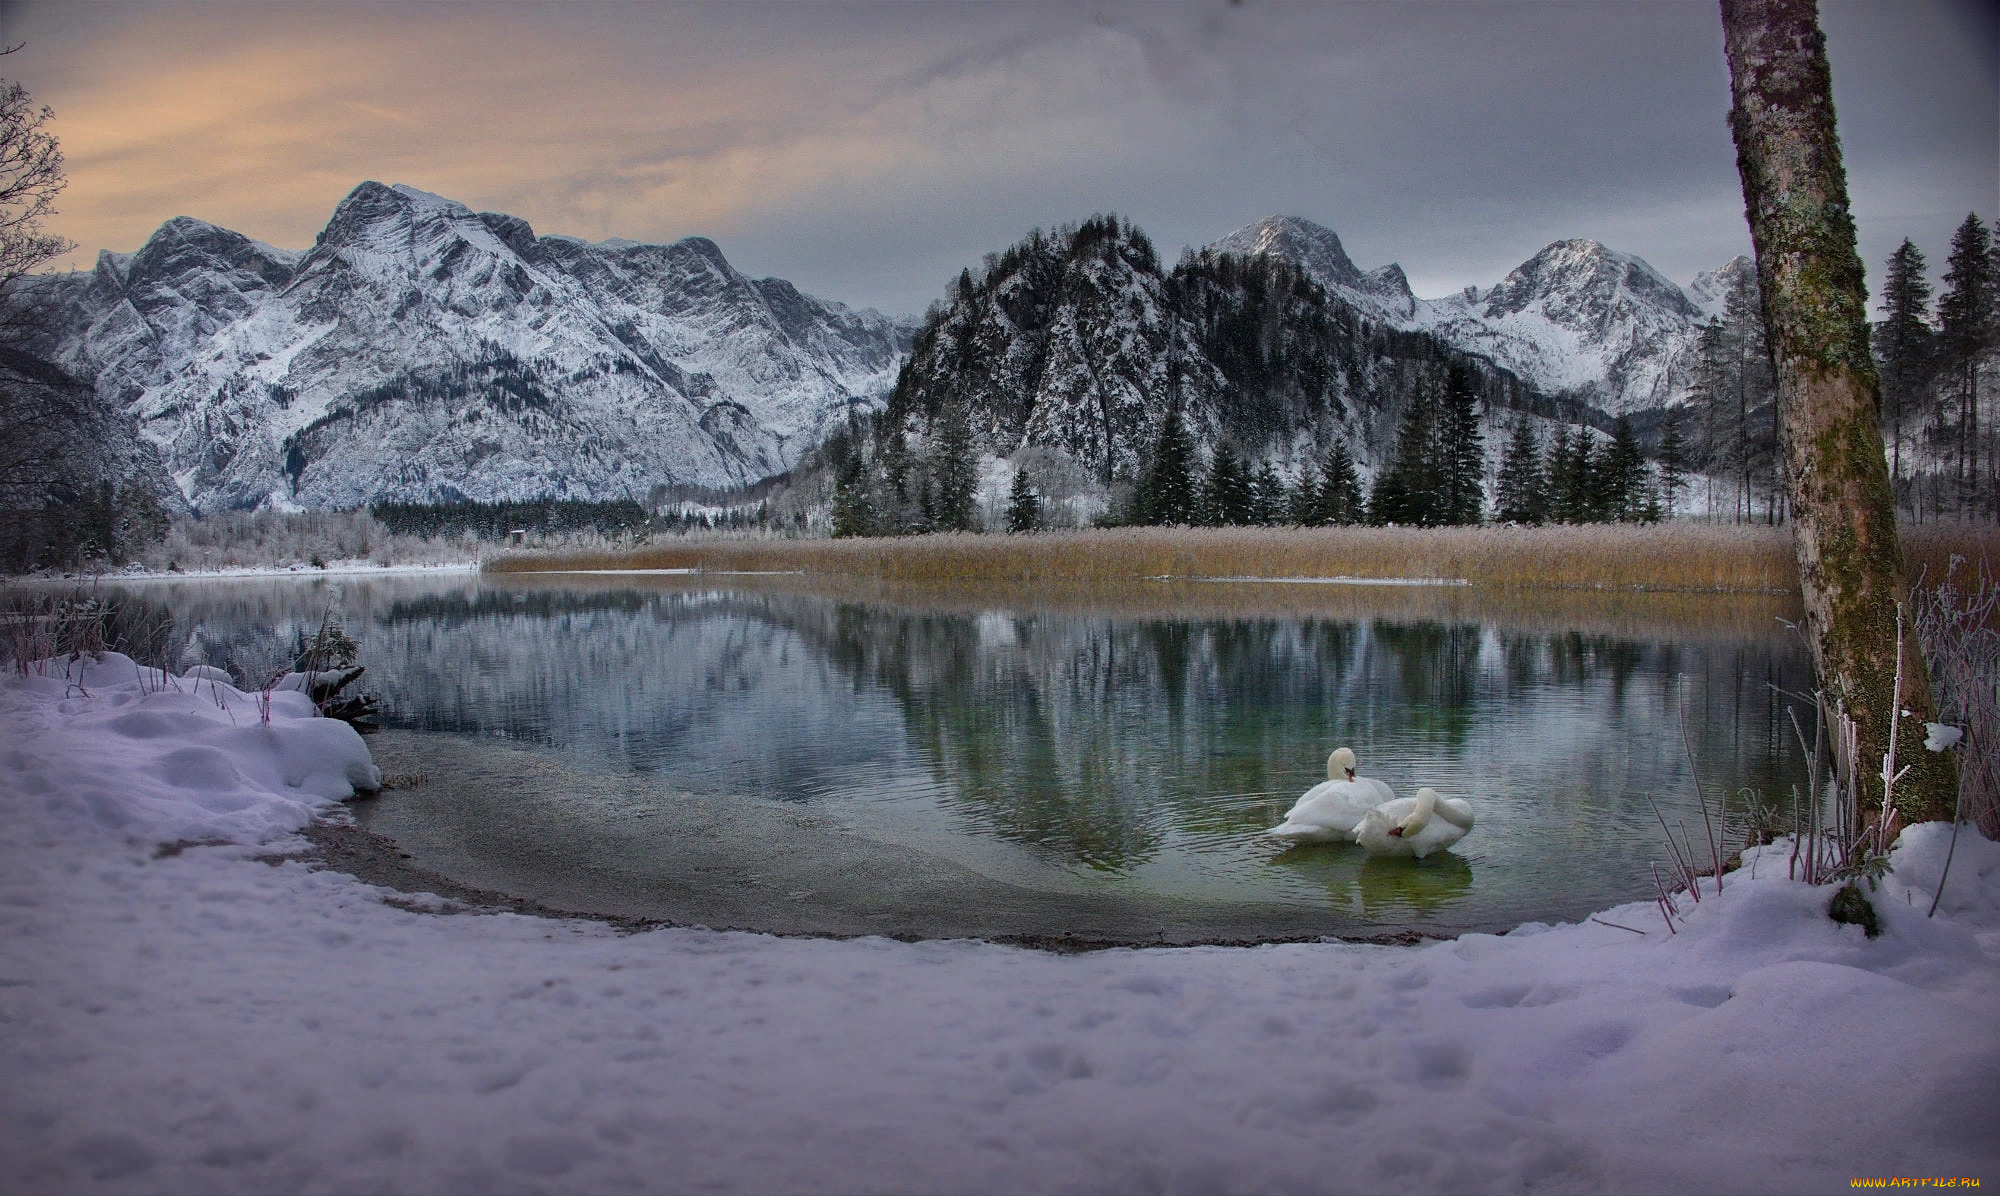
1345,808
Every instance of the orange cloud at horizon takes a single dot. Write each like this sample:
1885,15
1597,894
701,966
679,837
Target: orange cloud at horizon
260,119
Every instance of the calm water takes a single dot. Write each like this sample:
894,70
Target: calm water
755,755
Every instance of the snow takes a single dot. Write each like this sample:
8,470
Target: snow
201,1020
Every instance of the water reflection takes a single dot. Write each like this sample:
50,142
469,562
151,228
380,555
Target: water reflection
1382,888
1084,752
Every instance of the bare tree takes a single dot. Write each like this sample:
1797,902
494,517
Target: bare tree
31,176
1815,312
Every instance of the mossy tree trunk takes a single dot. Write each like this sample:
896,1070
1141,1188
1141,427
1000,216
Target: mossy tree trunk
1815,308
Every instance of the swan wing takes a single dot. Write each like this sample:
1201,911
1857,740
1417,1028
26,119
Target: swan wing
1377,791
1329,810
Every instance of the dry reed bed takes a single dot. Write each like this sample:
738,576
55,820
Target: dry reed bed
1674,557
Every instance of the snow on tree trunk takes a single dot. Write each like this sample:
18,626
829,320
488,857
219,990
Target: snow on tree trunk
1815,309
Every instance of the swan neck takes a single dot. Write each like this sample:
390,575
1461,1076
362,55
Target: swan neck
1421,815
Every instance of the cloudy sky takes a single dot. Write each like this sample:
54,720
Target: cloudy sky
867,151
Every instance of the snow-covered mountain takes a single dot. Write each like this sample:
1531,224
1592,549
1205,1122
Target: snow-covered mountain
1078,342
1577,319
421,351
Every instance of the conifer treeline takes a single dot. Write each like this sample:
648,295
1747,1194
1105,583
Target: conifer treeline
1937,368
1936,365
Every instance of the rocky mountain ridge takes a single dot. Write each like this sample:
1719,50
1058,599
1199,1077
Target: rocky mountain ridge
1576,320
420,351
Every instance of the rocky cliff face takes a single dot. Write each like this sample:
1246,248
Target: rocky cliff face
420,351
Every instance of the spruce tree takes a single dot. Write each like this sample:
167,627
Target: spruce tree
1339,489
1523,489
1267,497
1965,315
853,513
1024,507
1302,503
1750,386
1904,348
1707,399
1673,461
1461,464
1562,481
954,473
1407,489
1167,495
1226,496
1621,476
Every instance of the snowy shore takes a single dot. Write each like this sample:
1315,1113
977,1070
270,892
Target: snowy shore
196,1019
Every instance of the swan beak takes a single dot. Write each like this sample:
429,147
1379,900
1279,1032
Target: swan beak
1395,832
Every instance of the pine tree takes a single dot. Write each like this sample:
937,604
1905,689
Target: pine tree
1965,316
1523,489
1339,489
1167,495
1461,467
1024,507
1673,462
1904,348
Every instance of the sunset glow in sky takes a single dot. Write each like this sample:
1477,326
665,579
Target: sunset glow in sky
868,151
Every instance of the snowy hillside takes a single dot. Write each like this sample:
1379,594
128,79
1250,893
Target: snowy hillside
1578,319
421,351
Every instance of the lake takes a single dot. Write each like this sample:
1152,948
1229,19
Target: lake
772,753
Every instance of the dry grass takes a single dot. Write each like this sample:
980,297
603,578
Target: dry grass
1683,557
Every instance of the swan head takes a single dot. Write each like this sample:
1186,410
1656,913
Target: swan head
1340,765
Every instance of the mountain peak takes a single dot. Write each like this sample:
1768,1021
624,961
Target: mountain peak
1317,250
1313,247
185,243
1579,269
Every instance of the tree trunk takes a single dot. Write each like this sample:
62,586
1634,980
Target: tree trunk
1815,307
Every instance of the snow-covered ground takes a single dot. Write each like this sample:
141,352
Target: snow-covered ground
200,1021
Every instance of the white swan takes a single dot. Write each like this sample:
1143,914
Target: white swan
1330,810
1414,826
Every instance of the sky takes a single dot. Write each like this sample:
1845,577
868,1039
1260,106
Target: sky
869,151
